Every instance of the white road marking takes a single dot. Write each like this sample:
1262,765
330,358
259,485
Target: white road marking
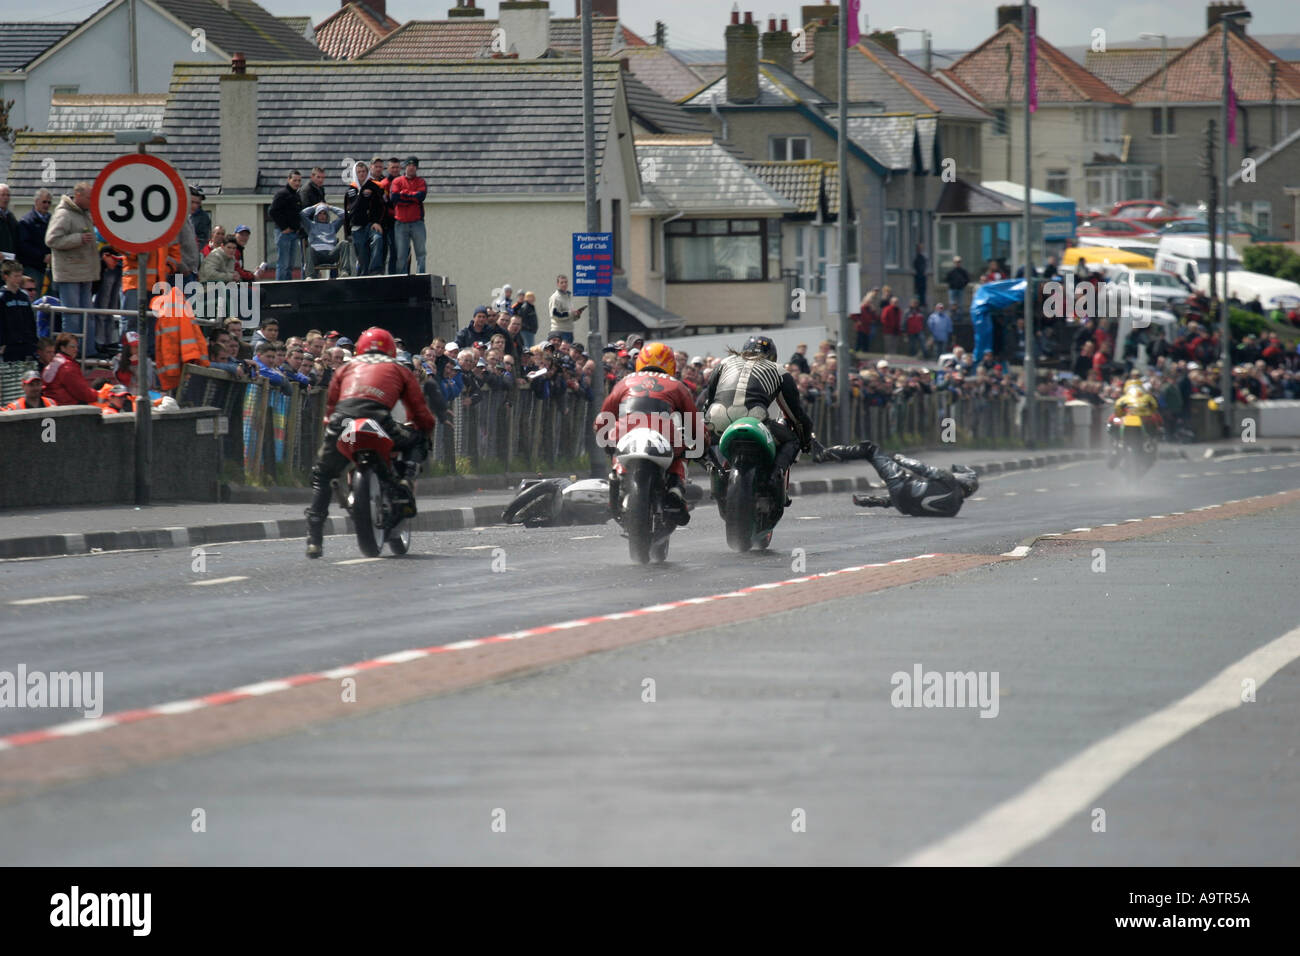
480,547
358,560
1069,789
808,518
1074,484
1254,470
979,499
1009,494
1040,490
50,600
237,577
1019,551
581,537
1189,475
1209,473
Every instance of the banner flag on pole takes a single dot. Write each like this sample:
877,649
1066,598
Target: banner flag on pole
1031,69
853,9
1232,108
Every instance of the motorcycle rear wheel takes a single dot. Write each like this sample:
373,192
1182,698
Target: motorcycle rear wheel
368,510
740,507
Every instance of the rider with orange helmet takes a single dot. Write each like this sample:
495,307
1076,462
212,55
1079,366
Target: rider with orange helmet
367,387
653,393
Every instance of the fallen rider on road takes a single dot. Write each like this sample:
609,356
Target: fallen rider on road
915,488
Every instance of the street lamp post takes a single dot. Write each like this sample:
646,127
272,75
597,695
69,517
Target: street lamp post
925,42
1164,110
1225,328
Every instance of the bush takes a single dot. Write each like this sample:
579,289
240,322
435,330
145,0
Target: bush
1244,322
1273,260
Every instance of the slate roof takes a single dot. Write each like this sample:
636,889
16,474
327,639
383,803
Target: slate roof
698,177
351,30
983,73
245,28
877,74
1195,74
811,184
1122,70
99,111
465,38
487,127
300,25
655,113
658,69
776,87
20,43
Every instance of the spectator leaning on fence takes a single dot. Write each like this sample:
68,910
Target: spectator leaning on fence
74,257
285,212
17,320
180,342
33,253
406,194
219,264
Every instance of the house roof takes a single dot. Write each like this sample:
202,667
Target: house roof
1277,149
877,74
20,43
1122,70
352,29
812,185
960,198
660,70
464,38
655,113
86,112
486,127
649,313
297,24
983,73
899,141
245,28
776,87
695,175
1195,74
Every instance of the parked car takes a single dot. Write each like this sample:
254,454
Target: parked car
1201,227
1188,257
1148,212
1246,286
1115,227
1166,291
1138,247
1099,256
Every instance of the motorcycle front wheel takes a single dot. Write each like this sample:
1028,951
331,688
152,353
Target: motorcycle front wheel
638,510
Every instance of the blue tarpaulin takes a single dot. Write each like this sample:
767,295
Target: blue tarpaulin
996,295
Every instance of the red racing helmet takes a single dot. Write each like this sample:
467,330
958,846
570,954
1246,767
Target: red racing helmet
376,339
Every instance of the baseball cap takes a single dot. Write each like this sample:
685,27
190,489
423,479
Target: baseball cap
343,340
1193,366
119,390
31,377
332,335
450,347
697,360
482,364
480,309
481,346
197,192
239,229
411,161
882,364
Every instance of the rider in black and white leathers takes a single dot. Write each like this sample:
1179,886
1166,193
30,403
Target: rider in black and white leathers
915,488
751,384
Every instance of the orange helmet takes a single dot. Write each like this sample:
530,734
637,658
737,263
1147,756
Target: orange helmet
656,355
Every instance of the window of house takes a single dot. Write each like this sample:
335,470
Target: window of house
774,247
716,250
1058,181
893,239
63,90
999,122
1158,120
789,147
810,247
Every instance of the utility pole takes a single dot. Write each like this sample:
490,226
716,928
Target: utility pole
1228,20
1031,371
842,389
594,311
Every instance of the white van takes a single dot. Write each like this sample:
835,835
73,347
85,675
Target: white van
1188,257
1272,292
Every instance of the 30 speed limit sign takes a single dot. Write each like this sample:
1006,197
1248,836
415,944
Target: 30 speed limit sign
139,203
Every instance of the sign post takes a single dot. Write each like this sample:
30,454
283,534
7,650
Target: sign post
139,204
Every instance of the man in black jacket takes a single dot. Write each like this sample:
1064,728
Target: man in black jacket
365,208
33,253
286,208
313,190
957,280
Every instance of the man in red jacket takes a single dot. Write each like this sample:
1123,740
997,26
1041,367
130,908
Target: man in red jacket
891,321
64,383
367,387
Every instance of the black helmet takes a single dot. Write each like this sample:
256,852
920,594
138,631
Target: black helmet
760,345
966,479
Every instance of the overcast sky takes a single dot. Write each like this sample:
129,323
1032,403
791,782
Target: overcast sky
699,23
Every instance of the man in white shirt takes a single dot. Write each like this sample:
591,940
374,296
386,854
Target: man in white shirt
563,315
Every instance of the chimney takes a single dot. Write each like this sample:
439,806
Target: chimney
238,128
375,5
599,8
826,63
885,38
821,11
1010,13
465,8
1216,10
778,44
742,58
661,33
526,25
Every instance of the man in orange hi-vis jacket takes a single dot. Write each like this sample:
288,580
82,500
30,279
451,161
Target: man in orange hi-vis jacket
179,341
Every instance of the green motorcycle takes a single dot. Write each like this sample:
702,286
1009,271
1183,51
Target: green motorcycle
742,486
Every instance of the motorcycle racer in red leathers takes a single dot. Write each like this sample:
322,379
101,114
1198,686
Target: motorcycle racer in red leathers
367,387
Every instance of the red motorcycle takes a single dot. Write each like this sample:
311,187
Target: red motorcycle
379,505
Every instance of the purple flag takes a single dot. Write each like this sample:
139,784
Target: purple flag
1232,108
853,10
1031,72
